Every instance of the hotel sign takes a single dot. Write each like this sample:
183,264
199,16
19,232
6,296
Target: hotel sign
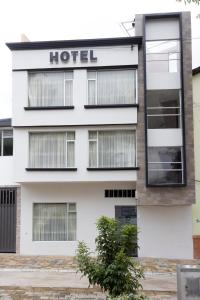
83,56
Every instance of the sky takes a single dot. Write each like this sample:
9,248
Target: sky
42,20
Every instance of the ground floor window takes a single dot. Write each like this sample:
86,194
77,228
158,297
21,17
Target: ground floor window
54,221
127,215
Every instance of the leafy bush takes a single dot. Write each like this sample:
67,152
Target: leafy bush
113,269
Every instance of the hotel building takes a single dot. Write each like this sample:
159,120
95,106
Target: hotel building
100,127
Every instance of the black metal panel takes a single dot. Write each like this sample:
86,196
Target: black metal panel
8,198
75,43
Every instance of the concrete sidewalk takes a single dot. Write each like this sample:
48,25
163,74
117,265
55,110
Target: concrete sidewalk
70,279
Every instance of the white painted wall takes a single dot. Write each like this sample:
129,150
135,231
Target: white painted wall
165,231
6,170
90,202
78,116
106,56
21,152
164,137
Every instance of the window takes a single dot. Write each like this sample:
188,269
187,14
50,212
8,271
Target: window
6,142
54,222
163,56
112,149
52,150
165,165
163,109
111,87
50,89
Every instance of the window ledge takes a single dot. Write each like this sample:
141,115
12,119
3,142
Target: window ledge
113,169
51,169
47,107
111,106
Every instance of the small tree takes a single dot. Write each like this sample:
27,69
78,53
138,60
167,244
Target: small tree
113,269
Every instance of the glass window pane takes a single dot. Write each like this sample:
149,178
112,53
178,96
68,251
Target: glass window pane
116,87
69,75
164,177
70,135
91,92
46,89
68,92
91,74
7,133
164,154
92,135
72,226
116,148
50,222
165,165
70,154
163,109
47,150
163,56
93,154
72,207
155,122
7,146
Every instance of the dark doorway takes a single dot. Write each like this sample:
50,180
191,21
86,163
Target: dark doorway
127,215
7,220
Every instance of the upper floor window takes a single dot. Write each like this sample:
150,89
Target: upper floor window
52,149
165,165
111,87
163,109
112,149
6,142
163,56
50,89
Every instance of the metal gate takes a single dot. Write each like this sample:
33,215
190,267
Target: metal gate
8,220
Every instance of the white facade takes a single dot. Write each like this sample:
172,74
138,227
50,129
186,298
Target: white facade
156,224
78,161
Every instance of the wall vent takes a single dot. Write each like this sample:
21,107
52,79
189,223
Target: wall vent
119,194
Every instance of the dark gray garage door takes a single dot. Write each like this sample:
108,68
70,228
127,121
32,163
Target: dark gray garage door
8,220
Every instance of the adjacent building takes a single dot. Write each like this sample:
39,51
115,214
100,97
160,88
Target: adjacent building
102,127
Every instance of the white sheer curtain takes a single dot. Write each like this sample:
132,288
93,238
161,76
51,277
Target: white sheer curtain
115,149
47,150
50,89
54,221
112,87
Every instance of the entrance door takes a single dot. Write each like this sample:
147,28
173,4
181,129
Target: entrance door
8,220
126,215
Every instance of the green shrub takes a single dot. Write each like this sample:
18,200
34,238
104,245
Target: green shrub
113,269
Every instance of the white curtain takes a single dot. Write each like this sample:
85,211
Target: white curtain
47,150
54,222
112,87
115,149
50,89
